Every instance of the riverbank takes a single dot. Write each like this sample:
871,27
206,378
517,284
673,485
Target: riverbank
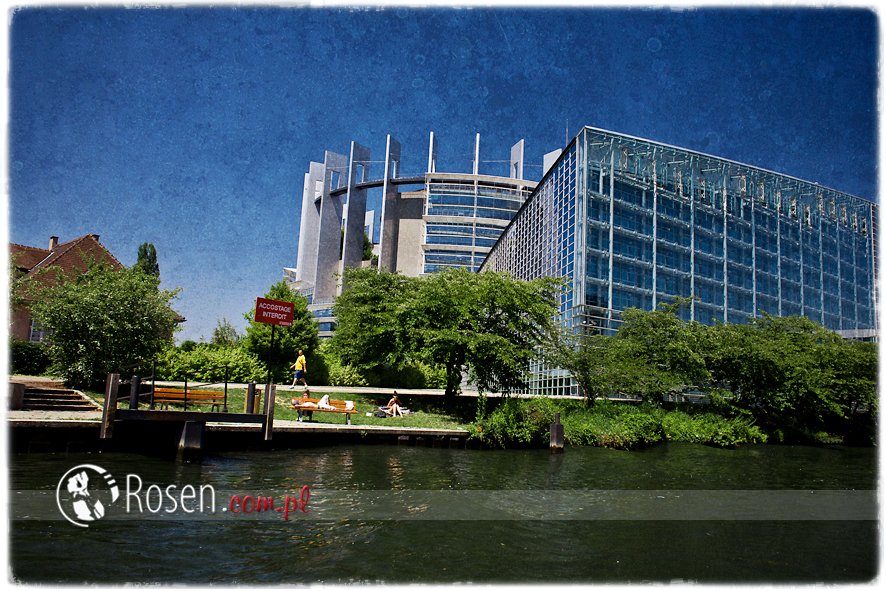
515,422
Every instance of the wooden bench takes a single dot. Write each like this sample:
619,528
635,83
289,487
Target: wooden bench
165,396
339,406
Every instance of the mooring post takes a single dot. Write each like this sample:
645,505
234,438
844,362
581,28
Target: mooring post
556,435
249,403
225,409
153,382
110,406
270,394
133,392
190,441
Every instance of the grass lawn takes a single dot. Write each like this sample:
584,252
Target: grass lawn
428,412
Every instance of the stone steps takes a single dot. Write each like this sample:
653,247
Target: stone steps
52,399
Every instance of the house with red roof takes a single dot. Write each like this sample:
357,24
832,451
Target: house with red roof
46,266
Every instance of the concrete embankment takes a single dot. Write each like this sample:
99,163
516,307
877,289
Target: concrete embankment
50,432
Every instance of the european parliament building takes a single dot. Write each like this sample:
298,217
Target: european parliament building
632,223
441,219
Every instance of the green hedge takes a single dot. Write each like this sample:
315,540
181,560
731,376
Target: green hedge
526,422
27,358
207,364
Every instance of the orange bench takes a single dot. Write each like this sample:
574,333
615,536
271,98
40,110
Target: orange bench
165,396
339,406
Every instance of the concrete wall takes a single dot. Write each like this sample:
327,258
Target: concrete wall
387,257
410,232
355,215
329,234
517,160
309,229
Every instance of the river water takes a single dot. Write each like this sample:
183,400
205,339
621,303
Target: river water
398,514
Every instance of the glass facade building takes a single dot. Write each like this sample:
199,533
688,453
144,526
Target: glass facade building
632,223
465,215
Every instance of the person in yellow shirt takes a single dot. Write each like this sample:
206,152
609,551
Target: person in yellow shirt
301,369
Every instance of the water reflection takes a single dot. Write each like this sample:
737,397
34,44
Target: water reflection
371,502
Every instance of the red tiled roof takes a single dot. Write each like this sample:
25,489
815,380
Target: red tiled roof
70,258
26,257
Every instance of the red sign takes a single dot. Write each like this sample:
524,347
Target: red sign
274,312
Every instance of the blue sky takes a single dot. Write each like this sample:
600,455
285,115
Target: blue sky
193,128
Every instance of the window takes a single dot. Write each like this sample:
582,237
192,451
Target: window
38,333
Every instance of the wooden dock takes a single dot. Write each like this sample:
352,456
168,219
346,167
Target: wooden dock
72,435
188,434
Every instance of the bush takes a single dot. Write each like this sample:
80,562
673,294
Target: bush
606,424
207,362
711,428
516,421
28,358
103,320
344,375
616,426
414,376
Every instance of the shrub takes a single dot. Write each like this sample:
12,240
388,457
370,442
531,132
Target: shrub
28,358
414,375
206,363
711,428
344,375
517,421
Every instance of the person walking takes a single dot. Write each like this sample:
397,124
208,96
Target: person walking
301,369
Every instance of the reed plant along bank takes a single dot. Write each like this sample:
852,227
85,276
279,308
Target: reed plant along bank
525,422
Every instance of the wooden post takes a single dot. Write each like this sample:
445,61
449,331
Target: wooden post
110,407
271,351
153,382
134,391
249,403
556,435
270,394
190,441
226,389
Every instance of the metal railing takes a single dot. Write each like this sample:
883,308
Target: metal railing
136,382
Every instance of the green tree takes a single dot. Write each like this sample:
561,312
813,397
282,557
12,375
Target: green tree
582,354
102,320
652,354
225,335
303,334
367,247
147,259
484,324
671,349
369,314
854,375
779,369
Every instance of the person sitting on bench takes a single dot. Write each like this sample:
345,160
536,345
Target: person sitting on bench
304,402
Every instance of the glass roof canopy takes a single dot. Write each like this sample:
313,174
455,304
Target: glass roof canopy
716,180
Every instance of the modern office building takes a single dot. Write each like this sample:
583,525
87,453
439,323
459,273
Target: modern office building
441,219
632,223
